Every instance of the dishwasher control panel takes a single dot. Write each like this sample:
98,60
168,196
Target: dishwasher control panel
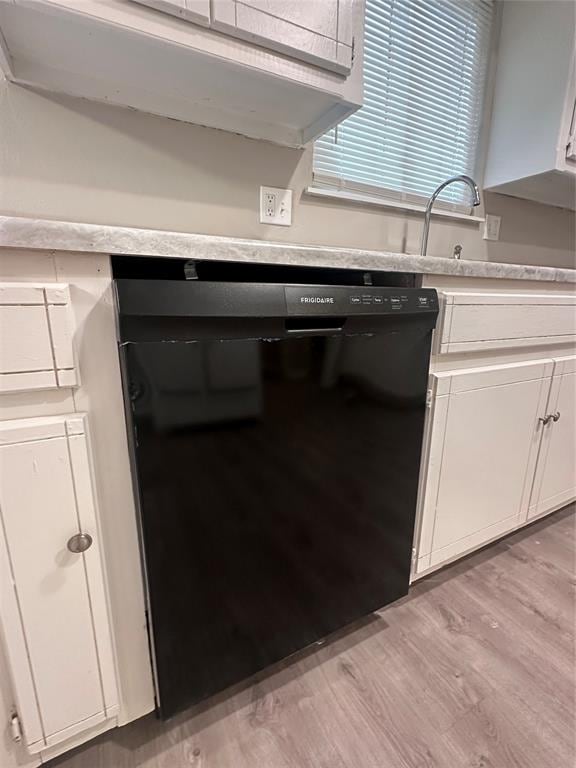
324,300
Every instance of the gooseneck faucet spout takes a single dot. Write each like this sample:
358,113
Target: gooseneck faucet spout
475,201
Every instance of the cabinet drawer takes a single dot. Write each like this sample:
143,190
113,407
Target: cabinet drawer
476,321
36,337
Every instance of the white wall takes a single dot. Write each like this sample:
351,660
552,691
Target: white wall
71,159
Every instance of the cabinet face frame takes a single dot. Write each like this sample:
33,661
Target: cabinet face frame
65,436
444,386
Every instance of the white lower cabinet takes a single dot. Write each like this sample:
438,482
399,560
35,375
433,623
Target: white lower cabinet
555,481
54,616
489,452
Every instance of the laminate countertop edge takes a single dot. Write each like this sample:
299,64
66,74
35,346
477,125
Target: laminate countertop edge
44,234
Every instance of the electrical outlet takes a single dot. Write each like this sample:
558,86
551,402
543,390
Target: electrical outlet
276,206
492,227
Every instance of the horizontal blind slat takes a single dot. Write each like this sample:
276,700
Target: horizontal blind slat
377,145
428,54
328,180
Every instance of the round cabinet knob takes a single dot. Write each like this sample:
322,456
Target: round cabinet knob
80,542
556,416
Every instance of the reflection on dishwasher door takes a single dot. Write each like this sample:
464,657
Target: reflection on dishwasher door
189,384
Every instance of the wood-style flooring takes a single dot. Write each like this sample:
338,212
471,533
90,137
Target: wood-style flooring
474,669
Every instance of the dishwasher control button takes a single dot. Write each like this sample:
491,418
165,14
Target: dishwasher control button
355,299
395,302
423,301
366,299
378,300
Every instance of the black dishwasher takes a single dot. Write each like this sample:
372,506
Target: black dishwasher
276,428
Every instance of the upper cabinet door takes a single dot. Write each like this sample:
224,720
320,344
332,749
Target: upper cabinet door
555,482
53,605
317,31
197,11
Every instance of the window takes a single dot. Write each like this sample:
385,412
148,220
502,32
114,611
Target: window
425,65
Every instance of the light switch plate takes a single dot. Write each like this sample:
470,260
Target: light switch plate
492,227
276,206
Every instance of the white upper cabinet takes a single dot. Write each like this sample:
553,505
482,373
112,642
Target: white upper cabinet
531,151
317,31
281,70
555,482
54,616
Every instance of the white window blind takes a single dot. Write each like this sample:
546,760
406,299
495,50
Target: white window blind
425,65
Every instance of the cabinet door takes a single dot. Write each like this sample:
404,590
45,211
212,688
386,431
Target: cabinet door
318,31
555,481
483,446
53,605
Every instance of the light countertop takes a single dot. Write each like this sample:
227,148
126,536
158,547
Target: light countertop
19,232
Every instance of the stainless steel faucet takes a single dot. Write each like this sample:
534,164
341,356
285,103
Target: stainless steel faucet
475,201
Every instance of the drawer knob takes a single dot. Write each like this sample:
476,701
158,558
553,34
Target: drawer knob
544,419
556,416
80,542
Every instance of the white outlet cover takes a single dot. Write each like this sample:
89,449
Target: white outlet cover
492,227
276,206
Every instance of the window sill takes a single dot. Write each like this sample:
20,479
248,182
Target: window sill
347,196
